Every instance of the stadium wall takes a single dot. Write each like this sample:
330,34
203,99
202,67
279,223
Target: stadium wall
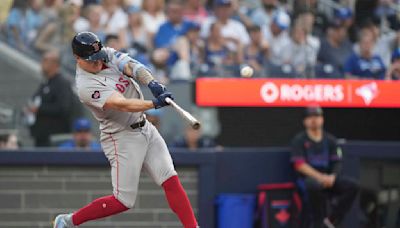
34,186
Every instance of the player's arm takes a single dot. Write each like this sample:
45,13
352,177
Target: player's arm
301,166
141,73
118,102
326,180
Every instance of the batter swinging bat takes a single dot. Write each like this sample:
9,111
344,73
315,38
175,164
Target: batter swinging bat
186,115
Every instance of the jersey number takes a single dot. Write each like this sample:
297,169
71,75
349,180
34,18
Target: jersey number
122,87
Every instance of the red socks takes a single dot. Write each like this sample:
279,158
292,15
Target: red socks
179,202
99,208
109,205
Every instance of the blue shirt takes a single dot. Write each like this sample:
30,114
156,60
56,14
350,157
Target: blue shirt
167,33
70,144
372,68
16,19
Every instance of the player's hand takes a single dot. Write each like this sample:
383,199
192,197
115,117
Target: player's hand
327,181
157,88
160,101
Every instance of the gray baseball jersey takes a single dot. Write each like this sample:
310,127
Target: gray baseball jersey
94,89
128,150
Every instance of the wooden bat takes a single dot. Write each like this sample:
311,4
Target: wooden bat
186,115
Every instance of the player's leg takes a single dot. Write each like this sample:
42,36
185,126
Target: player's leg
158,163
125,172
317,199
345,191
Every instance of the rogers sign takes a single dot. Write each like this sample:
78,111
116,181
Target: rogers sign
231,92
271,92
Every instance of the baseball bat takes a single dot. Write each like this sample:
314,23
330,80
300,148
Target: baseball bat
186,115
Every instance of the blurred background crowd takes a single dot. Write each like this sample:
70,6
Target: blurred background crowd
183,40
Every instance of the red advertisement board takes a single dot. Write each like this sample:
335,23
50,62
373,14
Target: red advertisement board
297,93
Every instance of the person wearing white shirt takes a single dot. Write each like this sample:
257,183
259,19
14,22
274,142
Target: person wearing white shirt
277,36
262,16
153,15
302,51
113,18
231,29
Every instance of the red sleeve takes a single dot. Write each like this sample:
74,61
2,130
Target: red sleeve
298,162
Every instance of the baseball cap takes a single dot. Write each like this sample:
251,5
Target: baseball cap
396,54
222,2
281,19
82,124
343,13
313,110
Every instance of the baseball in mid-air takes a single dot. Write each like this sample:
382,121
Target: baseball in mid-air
246,72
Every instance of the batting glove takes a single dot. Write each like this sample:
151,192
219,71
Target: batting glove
160,102
157,88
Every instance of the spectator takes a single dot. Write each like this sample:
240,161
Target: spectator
80,24
167,36
386,11
136,35
52,102
51,9
344,16
307,19
195,11
262,16
16,29
9,141
58,33
277,36
335,48
256,52
384,42
316,158
320,19
393,73
93,14
191,47
158,59
218,57
301,53
231,29
34,20
113,19
193,140
365,64
82,137
153,15
174,27
113,41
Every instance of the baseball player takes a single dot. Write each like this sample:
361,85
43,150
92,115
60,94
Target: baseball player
129,141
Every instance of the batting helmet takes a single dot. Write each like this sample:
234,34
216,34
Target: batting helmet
88,46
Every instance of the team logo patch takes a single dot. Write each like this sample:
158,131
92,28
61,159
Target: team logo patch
96,47
96,94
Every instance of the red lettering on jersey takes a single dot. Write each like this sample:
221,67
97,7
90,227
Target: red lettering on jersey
126,82
120,88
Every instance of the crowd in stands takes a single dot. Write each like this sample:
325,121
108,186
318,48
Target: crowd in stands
182,40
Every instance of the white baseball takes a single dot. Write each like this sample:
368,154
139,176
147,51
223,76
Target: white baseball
246,72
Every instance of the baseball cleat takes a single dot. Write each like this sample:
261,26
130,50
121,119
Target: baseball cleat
62,221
